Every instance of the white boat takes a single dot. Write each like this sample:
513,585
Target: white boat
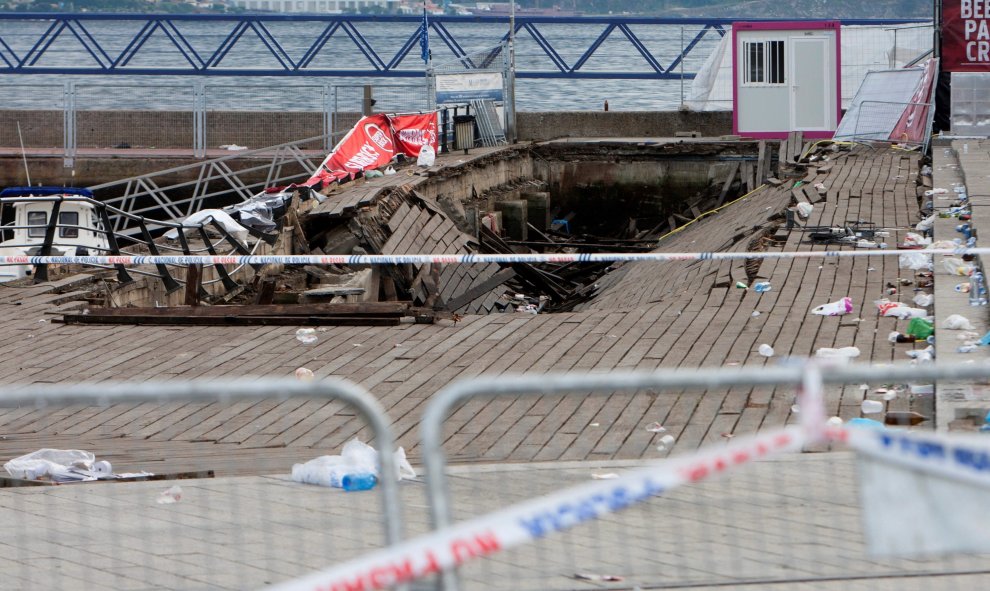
77,232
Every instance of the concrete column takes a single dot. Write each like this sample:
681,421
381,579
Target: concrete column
514,216
538,204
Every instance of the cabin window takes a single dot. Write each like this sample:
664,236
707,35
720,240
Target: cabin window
71,219
38,220
763,62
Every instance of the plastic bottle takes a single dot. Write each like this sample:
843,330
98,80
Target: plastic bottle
352,482
762,287
977,290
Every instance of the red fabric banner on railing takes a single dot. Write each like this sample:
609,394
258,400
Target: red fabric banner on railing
373,142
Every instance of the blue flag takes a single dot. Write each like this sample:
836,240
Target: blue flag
424,38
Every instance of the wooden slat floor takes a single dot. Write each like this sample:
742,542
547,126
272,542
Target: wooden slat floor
647,316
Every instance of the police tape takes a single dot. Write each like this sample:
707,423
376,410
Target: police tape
959,456
525,522
421,259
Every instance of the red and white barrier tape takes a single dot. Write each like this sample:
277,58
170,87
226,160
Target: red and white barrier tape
419,259
534,519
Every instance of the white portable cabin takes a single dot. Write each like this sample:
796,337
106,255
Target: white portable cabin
786,77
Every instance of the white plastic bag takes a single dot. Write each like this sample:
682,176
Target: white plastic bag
837,308
427,157
355,457
914,261
912,238
924,299
954,266
804,209
926,224
957,322
48,462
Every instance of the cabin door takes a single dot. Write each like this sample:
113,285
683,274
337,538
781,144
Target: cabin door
811,89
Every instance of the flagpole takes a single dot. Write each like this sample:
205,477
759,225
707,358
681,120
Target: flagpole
427,56
512,73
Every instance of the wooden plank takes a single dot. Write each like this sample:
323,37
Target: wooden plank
733,172
339,309
325,320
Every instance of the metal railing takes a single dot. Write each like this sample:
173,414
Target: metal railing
247,532
142,238
192,116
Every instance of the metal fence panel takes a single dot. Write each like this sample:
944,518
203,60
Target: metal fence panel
116,116
232,531
38,110
788,520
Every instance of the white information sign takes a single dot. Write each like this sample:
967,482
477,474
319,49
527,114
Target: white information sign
469,86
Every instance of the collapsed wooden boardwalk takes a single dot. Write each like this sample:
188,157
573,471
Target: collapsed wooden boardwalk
648,316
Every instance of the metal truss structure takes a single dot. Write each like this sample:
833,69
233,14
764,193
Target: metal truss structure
300,44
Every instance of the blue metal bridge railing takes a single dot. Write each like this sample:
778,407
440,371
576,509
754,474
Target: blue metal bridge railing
348,45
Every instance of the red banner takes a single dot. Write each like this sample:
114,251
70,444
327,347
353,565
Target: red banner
412,132
373,143
913,124
965,35
369,145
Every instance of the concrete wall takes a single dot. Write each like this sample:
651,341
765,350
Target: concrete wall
545,126
174,129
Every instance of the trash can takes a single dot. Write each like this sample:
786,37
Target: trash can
463,132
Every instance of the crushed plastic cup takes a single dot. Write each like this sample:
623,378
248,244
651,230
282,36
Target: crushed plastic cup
765,350
762,287
170,496
837,308
655,428
305,375
840,353
307,336
871,407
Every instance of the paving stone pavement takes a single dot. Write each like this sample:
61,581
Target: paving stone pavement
792,522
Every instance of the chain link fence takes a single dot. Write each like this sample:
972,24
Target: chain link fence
197,522
193,116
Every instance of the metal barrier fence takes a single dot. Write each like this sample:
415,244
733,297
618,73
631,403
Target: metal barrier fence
762,526
209,532
875,121
195,116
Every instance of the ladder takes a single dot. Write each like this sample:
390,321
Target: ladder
489,127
